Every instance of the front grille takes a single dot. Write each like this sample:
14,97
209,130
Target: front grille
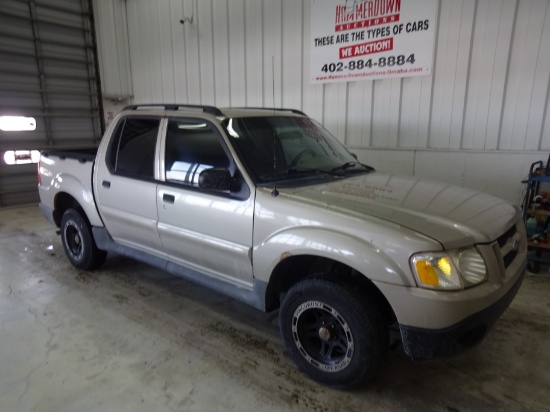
504,238
509,245
509,258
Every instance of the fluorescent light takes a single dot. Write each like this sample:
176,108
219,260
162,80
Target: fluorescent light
18,157
17,123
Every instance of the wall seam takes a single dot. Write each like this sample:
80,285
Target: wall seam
245,55
302,62
512,40
185,52
468,73
196,16
174,79
213,53
545,109
401,82
263,52
436,43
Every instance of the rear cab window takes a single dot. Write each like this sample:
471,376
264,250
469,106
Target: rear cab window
132,149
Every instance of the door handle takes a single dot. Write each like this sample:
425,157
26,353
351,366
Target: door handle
106,184
168,198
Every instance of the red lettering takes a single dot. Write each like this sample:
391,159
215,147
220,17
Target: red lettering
366,23
366,48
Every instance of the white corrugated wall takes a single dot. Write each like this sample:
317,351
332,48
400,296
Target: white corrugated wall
479,120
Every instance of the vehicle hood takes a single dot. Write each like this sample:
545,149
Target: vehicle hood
452,215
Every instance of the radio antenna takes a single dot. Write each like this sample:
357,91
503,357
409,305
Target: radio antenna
274,192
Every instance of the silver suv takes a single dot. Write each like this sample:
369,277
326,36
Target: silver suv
266,206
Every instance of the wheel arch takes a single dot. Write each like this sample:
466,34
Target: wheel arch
297,253
294,269
63,202
66,200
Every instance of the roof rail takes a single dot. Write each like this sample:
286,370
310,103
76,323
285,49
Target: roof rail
175,106
278,109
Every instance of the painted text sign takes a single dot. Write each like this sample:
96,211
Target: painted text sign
371,39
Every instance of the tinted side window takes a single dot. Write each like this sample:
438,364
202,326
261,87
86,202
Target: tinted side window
133,148
191,147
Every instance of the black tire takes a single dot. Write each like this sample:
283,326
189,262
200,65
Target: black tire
78,242
335,337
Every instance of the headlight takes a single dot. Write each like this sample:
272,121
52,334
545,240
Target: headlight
451,270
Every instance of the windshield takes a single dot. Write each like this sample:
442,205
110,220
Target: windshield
288,149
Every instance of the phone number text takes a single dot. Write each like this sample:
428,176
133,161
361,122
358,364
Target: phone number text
368,64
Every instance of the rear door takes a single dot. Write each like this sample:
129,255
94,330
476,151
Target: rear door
126,189
210,232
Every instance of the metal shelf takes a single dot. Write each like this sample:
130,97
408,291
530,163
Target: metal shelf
537,250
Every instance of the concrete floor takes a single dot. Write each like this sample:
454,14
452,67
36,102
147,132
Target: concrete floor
132,338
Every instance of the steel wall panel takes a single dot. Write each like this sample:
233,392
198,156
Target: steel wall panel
112,40
488,91
252,20
490,78
220,55
524,57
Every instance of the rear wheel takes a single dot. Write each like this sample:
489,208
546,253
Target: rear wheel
78,242
334,337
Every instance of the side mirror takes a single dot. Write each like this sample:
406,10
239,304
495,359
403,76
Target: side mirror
215,179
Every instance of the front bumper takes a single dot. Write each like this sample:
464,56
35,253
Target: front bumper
437,323
425,344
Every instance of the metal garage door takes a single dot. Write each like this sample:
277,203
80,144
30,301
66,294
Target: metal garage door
48,71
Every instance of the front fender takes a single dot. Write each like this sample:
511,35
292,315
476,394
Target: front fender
67,183
350,250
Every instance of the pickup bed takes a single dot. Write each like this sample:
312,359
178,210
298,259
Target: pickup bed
266,206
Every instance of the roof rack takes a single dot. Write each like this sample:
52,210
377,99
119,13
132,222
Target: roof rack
175,106
278,109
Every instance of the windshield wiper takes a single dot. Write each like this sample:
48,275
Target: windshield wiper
301,172
306,170
344,167
349,165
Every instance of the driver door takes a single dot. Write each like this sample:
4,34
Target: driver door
207,231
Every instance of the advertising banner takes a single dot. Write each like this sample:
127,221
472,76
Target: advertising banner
371,39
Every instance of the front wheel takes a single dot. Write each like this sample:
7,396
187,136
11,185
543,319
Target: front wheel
78,242
335,337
